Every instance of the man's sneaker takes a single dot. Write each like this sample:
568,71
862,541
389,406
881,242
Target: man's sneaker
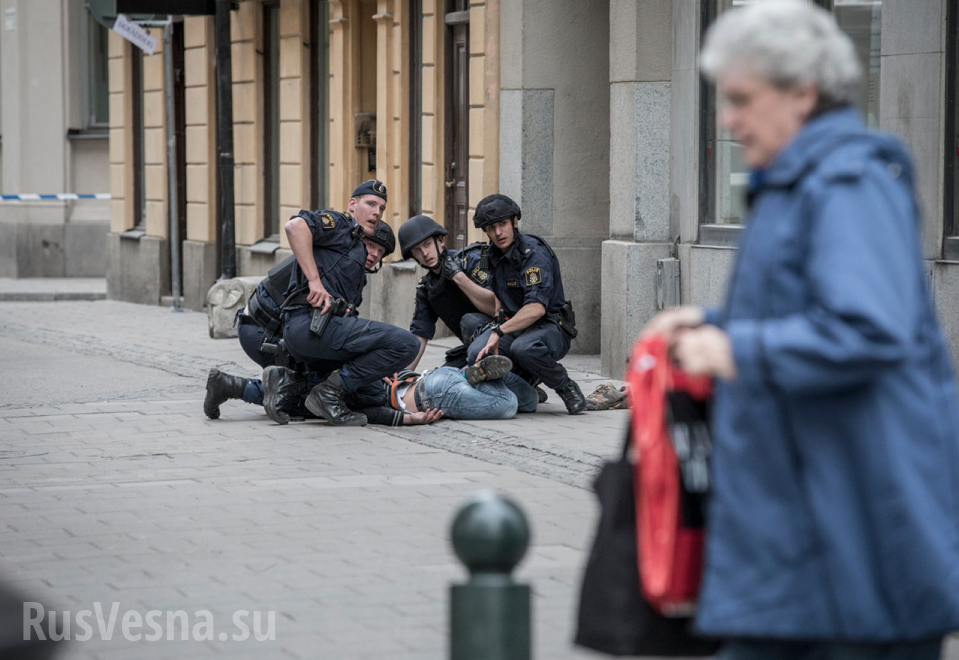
573,397
221,387
491,367
281,388
541,393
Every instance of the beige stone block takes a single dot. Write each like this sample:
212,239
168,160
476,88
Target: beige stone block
429,37
197,144
152,109
195,30
116,45
245,144
427,138
477,81
477,132
476,3
429,7
243,21
249,227
429,101
196,64
115,68
198,222
292,19
291,57
118,216
290,98
287,212
157,221
244,103
245,184
117,144
117,180
196,105
475,182
428,191
116,110
156,183
197,183
291,142
291,186
153,73
154,146
244,60
477,30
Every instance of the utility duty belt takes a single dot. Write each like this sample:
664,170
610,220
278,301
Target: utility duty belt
265,317
565,318
336,307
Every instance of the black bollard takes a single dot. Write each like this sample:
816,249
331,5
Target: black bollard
490,613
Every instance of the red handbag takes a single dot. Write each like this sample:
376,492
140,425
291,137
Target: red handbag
671,438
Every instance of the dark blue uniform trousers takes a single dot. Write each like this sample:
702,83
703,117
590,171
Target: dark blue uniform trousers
537,349
364,351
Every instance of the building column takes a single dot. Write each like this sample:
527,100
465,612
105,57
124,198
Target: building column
640,65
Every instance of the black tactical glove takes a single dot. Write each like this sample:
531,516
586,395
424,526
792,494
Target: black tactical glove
451,266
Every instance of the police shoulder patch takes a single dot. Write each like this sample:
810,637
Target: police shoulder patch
327,220
532,276
479,275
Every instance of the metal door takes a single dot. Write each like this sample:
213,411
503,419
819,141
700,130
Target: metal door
457,123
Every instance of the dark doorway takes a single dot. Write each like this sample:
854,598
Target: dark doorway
457,120
179,133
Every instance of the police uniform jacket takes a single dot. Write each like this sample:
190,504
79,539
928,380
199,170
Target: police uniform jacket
339,253
438,297
528,272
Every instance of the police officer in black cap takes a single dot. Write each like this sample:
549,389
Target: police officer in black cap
454,289
259,328
321,329
536,321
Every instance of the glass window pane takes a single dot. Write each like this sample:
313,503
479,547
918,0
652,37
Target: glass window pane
99,85
862,21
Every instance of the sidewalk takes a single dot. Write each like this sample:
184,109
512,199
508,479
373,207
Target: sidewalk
114,487
47,289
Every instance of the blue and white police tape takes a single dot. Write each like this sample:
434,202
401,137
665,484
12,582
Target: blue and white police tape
32,197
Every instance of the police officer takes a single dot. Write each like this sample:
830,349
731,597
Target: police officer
454,289
538,322
325,289
259,325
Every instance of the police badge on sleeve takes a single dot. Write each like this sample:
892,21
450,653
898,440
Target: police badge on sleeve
532,276
327,219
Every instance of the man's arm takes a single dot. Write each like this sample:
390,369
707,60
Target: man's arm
484,299
419,354
527,315
301,243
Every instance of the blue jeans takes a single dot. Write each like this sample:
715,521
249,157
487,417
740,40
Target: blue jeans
783,650
446,389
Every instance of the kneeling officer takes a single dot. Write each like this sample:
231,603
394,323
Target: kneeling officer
539,322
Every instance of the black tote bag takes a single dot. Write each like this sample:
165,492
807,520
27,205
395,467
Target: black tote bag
613,616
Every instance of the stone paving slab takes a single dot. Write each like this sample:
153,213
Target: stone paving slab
49,289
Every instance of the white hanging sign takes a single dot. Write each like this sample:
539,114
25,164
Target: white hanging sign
135,34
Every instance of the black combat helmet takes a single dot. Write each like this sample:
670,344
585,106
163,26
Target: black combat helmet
494,208
416,230
383,235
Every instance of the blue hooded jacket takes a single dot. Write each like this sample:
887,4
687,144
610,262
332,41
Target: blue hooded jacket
835,505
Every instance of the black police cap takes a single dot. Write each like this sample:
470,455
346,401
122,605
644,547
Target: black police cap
371,187
494,208
416,230
383,235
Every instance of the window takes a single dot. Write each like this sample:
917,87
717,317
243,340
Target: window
271,119
137,130
98,75
319,102
724,175
951,169
415,164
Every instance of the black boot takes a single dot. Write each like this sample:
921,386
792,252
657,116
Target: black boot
541,394
221,387
573,397
281,387
491,367
326,401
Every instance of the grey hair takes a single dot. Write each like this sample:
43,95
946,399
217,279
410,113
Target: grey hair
787,42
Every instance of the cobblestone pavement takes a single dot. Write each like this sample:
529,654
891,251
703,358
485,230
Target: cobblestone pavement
114,488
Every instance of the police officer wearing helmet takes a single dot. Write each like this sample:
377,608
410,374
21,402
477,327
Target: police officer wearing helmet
259,328
539,322
454,289
321,327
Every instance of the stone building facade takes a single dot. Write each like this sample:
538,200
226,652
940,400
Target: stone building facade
590,113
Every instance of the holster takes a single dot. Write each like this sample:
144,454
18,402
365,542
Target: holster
565,318
337,307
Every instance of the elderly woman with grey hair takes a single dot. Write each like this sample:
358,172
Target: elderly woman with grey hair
833,529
